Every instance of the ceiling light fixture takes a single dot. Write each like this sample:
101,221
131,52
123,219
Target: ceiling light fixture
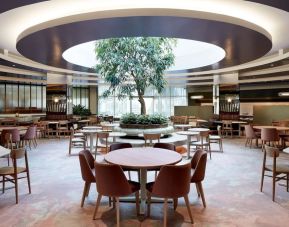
197,97
282,94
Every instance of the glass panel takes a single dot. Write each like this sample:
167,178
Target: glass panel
27,96
9,98
15,95
135,106
39,97
121,106
21,96
106,106
44,97
2,98
33,96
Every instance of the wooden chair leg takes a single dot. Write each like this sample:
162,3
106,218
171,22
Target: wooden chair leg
148,204
274,185
198,191
165,211
137,202
96,206
16,187
202,193
28,181
117,213
189,209
3,184
262,179
70,144
175,203
84,193
129,175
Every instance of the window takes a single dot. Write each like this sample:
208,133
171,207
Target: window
80,95
155,103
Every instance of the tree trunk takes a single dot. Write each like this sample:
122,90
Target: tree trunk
142,104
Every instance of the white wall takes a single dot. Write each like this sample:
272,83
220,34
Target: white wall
247,107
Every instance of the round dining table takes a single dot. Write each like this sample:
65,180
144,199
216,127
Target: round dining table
92,127
198,129
4,151
189,135
91,133
143,159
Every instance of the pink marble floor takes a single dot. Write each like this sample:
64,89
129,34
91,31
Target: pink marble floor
231,188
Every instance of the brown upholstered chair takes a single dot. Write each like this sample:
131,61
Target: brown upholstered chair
75,141
150,137
173,182
100,136
275,168
86,161
203,142
198,165
251,134
11,173
269,135
111,181
168,146
117,146
15,137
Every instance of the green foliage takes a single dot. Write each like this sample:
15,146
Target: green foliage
132,118
81,110
130,65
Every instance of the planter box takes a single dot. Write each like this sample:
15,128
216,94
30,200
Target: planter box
136,126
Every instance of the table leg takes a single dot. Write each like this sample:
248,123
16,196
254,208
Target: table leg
91,142
143,180
188,146
114,139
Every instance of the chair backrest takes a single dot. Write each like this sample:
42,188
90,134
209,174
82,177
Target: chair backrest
7,140
168,146
150,137
219,130
272,151
102,135
227,124
30,133
204,135
14,132
17,153
269,134
249,132
111,181
173,181
63,123
86,161
117,146
200,170
196,158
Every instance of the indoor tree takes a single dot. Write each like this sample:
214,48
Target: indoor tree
130,65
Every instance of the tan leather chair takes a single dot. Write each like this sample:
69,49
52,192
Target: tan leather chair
86,162
111,181
250,135
198,165
275,168
151,137
11,173
173,181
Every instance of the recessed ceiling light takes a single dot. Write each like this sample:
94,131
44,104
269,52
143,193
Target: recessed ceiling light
13,65
197,97
283,94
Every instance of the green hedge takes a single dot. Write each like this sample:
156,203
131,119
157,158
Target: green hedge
132,118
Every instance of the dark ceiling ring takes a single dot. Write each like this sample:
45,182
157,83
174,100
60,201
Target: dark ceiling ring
241,44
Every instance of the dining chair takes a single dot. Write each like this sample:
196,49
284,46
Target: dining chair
275,168
168,146
173,182
117,146
75,141
101,137
203,142
227,128
86,161
198,166
15,137
29,136
111,181
251,134
11,173
217,138
62,128
151,137
269,136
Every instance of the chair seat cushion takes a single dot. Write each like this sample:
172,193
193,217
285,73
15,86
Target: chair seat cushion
199,143
214,137
135,186
181,149
79,134
79,140
9,170
280,168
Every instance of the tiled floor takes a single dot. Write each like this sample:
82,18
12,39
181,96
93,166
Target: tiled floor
231,188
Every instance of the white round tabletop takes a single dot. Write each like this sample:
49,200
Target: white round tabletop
90,131
4,151
143,157
188,133
198,129
182,126
110,124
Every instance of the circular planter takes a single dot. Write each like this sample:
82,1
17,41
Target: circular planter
136,130
140,126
